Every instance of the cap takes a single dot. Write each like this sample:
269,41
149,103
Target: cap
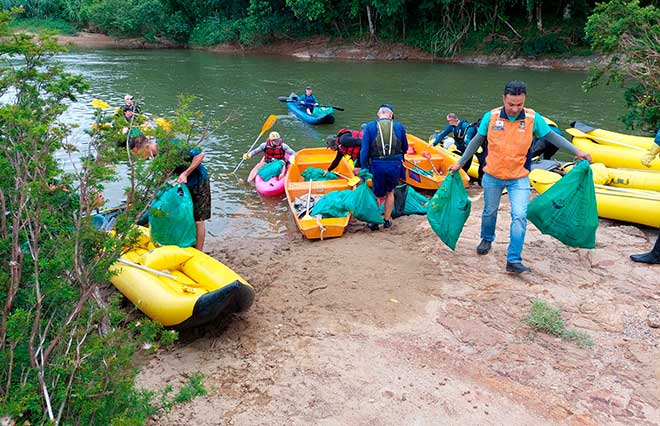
331,142
127,97
308,88
388,106
274,135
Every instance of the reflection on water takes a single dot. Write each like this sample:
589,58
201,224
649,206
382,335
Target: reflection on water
243,91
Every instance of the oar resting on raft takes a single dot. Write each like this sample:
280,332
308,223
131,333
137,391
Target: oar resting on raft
287,100
147,269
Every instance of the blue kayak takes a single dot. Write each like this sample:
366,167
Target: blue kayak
320,115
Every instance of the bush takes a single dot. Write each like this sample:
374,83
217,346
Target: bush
214,30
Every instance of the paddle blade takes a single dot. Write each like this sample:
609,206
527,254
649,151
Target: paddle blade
337,108
270,121
426,155
282,98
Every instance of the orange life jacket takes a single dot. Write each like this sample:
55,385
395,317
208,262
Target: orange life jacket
509,144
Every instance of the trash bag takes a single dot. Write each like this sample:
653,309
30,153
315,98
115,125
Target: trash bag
407,201
332,204
568,210
171,219
362,203
270,170
449,209
316,174
416,203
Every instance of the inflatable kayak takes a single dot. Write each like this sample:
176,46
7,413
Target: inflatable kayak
297,190
320,115
272,187
628,205
648,180
179,287
607,137
426,166
611,156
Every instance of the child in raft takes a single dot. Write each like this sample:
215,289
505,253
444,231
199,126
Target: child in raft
274,149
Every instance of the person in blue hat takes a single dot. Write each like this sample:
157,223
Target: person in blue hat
383,144
308,101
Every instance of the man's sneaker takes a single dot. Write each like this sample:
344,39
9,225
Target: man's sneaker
484,247
517,268
373,226
387,224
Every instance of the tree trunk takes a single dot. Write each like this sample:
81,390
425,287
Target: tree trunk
371,24
539,16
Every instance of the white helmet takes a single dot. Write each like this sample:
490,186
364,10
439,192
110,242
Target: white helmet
448,142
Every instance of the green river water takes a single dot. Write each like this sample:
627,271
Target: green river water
243,90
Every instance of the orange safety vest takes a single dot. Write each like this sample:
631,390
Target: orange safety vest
509,144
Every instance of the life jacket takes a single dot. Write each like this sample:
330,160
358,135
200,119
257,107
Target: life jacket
509,144
459,132
386,142
352,151
273,152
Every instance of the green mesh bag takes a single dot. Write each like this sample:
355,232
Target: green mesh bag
270,170
416,203
568,211
362,202
316,174
449,209
171,219
332,204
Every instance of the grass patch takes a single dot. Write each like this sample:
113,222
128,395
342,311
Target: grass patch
191,390
547,319
35,25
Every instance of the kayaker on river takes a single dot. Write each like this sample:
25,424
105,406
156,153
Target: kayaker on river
346,142
308,101
510,130
383,144
654,255
274,149
192,172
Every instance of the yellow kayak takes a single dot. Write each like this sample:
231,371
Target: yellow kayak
179,287
607,137
314,228
427,173
612,156
628,205
622,178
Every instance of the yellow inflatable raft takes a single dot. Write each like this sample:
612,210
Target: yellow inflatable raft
611,156
628,205
622,178
606,137
179,287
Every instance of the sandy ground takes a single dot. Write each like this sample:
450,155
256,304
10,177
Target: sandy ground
392,328
322,48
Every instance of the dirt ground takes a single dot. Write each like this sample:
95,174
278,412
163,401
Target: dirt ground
392,328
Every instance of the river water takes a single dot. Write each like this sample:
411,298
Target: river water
242,91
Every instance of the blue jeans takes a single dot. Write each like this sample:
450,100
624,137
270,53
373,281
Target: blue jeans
519,198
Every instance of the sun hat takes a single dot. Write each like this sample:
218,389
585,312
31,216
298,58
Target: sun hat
274,135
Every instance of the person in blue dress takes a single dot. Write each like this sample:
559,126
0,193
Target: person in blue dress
308,101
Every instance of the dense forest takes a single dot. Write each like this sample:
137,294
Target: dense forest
443,27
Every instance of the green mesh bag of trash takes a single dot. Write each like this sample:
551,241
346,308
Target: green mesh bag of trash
449,209
362,203
316,174
171,219
568,211
270,170
332,204
407,201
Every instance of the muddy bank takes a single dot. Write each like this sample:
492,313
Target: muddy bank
391,328
326,49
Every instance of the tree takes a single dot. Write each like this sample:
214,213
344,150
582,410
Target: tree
629,35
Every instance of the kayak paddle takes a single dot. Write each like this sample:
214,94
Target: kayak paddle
285,99
427,155
270,121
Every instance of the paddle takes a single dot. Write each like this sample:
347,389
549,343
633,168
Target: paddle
147,269
267,125
418,169
285,99
309,196
427,155
352,181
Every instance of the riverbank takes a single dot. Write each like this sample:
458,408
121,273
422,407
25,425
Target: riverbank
321,48
391,327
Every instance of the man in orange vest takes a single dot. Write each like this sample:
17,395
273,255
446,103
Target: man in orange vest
510,130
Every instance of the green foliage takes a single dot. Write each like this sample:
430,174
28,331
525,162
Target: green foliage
547,319
214,30
630,35
189,391
35,25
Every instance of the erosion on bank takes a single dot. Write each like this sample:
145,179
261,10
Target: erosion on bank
326,49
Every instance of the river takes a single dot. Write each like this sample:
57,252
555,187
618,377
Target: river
242,91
